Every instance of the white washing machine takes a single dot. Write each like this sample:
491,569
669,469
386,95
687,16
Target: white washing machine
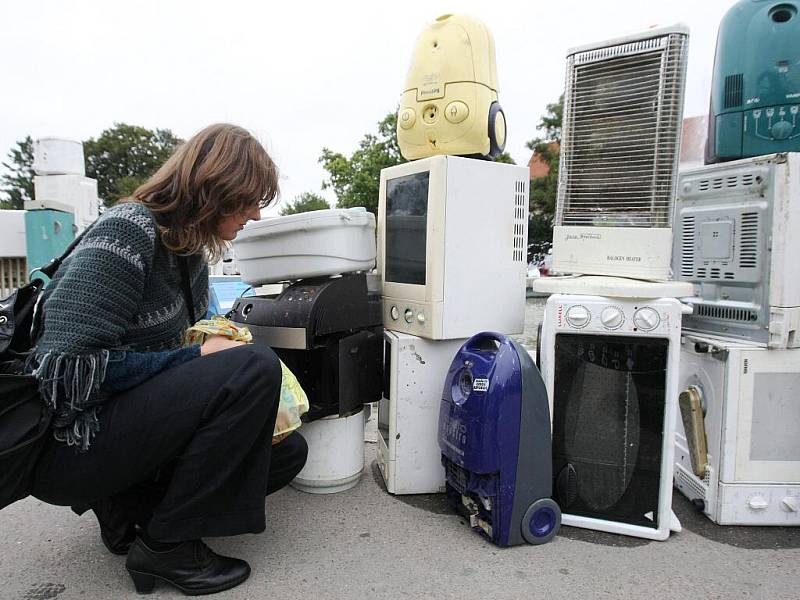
747,415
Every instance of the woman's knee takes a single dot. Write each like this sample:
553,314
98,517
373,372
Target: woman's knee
297,448
262,360
265,359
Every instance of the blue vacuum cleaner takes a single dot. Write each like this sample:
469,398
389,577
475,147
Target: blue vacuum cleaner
494,434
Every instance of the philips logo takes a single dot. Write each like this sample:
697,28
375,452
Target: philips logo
430,92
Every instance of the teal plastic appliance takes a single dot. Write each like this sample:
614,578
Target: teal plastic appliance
47,235
755,90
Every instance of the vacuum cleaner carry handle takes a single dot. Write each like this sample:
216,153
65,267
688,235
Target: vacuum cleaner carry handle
487,341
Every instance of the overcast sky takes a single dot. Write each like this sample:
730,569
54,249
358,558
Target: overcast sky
301,75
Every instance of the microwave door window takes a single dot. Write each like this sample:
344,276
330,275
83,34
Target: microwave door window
608,419
406,228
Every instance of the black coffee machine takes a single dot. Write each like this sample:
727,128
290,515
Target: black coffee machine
328,331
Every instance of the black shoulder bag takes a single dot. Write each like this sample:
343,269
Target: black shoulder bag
24,418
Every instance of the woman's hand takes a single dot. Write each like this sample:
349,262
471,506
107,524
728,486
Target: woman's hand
215,343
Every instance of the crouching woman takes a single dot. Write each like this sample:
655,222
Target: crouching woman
166,444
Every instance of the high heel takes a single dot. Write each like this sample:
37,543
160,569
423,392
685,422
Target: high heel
142,582
191,566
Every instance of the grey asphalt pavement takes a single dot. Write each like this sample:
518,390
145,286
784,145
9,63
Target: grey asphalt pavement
365,543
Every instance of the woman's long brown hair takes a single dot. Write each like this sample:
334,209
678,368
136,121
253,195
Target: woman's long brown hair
221,171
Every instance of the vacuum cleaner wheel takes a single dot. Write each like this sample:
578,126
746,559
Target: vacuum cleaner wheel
541,522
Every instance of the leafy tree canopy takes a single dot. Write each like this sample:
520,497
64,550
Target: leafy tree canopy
544,190
504,157
124,156
17,184
121,159
305,202
356,180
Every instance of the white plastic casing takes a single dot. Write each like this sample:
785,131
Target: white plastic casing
409,457
752,415
475,248
310,244
58,156
654,318
636,252
74,194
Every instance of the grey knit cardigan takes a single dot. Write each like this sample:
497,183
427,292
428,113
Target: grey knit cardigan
115,298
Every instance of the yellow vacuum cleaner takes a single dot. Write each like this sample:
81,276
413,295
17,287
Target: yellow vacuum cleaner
450,105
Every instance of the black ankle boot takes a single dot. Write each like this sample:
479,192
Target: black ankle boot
192,567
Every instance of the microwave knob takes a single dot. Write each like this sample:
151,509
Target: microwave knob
394,313
612,317
408,315
757,503
646,319
578,316
789,504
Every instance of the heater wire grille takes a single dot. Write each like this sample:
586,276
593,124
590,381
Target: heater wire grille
621,134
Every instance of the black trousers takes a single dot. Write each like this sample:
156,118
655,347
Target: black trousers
187,454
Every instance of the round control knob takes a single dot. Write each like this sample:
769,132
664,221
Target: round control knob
407,118
395,314
789,504
781,130
646,318
421,317
578,316
408,315
757,503
612,317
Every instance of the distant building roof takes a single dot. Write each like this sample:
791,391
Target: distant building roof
538,166
693,141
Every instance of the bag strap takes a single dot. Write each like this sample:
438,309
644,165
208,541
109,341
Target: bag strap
50,268
186,284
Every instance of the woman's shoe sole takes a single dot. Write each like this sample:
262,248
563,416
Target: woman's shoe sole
145,582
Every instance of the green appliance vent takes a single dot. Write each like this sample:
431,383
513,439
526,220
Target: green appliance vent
733,90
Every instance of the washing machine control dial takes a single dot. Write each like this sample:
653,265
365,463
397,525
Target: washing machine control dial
612,317
646,318
577,316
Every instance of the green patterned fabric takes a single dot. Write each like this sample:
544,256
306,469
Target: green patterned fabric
118,291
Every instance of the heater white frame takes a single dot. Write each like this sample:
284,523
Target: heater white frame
621,251
669,327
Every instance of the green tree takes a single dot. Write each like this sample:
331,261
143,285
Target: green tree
121,159
305,202
544,190
504,157
17,183
124,156
356,180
